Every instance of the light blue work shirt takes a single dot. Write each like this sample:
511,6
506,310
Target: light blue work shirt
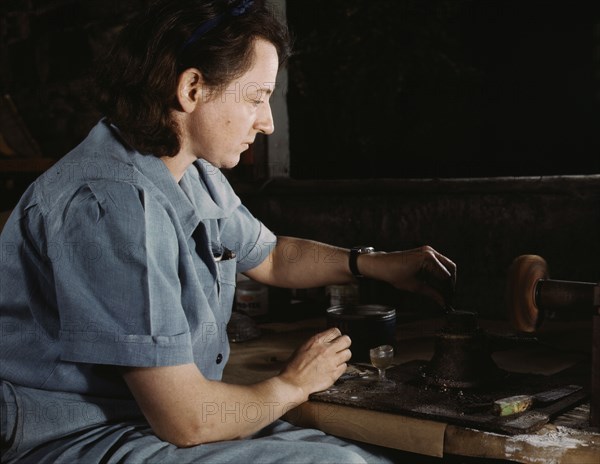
108,261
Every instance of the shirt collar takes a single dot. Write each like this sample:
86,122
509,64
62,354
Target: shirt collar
190,198
196,189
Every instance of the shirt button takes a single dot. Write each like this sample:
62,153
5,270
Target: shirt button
219,358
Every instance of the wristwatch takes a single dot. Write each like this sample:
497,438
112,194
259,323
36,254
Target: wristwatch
354,252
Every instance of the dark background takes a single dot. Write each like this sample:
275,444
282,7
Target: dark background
444,88
378,88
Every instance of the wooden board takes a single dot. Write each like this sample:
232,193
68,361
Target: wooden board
470,408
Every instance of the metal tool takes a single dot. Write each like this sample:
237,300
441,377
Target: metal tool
531,294
462,355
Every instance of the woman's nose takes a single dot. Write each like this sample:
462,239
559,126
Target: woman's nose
264,121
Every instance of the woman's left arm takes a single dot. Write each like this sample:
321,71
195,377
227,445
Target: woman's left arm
301,263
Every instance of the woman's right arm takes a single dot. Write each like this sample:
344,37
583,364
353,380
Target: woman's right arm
186,409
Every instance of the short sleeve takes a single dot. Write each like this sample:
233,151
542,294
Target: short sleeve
251,239
115,261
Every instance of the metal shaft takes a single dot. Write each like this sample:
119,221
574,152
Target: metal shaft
595,386
582,298
564,295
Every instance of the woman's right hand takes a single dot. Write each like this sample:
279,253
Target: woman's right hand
319,362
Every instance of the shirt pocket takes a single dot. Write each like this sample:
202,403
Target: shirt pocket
226,271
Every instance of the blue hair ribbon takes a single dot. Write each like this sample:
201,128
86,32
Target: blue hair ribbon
240,9
209,25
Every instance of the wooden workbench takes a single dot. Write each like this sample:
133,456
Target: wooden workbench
562,441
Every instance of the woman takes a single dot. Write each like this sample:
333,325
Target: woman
119,263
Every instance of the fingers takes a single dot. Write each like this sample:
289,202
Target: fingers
329,335
447,263
341,346
338,344
439,265
437,276
449,284
334,337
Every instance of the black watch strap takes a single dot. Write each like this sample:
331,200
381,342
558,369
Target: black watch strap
352,262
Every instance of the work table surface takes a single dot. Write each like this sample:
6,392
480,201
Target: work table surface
563,440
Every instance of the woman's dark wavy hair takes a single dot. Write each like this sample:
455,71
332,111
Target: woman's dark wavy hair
137,80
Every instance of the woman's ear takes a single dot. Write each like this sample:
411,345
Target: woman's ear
190,89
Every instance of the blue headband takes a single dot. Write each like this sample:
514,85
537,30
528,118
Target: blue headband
237,10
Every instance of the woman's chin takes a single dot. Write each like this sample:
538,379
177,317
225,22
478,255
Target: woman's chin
231,163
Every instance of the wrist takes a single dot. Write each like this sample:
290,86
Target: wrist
292,392
356,253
